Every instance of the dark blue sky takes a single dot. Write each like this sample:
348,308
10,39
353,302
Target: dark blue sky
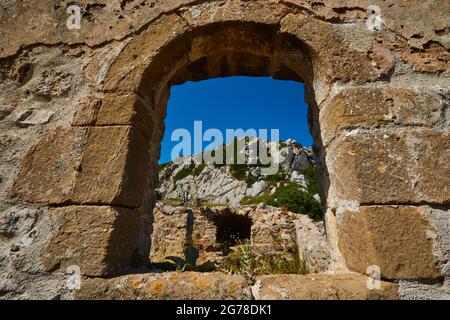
237,102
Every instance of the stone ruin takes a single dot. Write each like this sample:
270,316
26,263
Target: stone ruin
215,231
82,116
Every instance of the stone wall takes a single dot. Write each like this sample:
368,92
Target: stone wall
176,228
81,119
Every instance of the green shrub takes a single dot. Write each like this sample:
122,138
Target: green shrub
158,195
166,169
213,154
172,201
250,180
209,204
163,166
184,172
291,197
198,169
248,200
274,179
246,261
310,174
238,171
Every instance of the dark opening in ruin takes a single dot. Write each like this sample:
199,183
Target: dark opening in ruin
232,228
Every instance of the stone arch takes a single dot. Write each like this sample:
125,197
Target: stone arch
136,91
115,137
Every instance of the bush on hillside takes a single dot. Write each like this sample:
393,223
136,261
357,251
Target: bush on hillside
291,197
310,174
184,172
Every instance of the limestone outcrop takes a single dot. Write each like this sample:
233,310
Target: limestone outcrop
219,185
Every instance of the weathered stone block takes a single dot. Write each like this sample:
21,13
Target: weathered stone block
169,236
86,114
95,165
175,228
312,246
400,166
166,286
439,218
100,240
320,287
430,156
49,169
125,74
126,110
113,168
347,64
366,107
204,235
397,239
256,12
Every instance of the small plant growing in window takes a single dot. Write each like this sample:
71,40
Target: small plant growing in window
189,262
247,262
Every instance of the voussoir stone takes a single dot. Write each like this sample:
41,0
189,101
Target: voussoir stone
87,111
100,240
126,110
396,239
125,74
347,64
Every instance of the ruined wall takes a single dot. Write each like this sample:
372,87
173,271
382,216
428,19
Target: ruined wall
272,230
81,117
175,228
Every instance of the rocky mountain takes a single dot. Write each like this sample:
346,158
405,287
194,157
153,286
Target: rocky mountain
187,181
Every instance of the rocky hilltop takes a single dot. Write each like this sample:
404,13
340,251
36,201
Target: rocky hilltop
186,181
